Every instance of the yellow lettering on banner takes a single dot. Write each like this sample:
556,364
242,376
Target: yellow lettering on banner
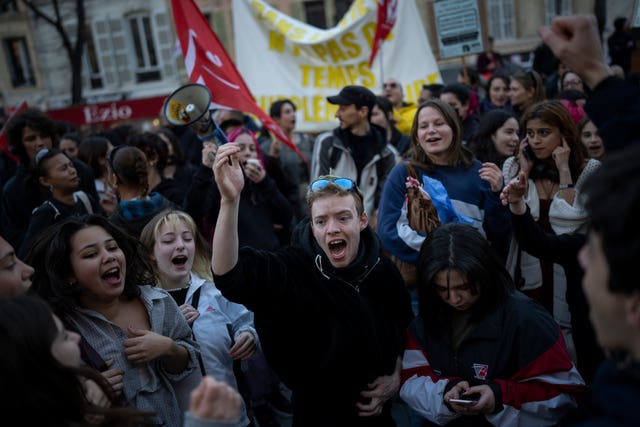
362,8
352,72
353,49
320,51
366,76
413,89
320,80
271,17
276,41
369,31
335,51
337,76
306,70
284,26
298,34
258,6
314,108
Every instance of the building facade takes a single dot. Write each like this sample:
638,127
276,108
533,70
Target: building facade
131,49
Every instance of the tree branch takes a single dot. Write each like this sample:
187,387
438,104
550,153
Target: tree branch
39,13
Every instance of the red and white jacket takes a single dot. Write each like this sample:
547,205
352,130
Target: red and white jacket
517,350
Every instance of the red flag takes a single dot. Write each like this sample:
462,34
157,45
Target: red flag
208,63
4,143
387,13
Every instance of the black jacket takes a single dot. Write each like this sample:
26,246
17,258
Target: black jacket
20,198
326,332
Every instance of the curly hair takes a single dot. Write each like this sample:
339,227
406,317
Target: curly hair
33,119
50,256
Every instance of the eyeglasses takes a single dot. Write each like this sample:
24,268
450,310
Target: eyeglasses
344,183
391,85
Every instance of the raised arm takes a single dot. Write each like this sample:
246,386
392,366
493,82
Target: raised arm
230,181
574,40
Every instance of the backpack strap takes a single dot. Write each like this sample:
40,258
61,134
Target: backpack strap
82,196
194,303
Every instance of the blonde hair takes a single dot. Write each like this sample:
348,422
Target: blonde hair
202,256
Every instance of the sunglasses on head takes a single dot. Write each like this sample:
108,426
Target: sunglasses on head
344,183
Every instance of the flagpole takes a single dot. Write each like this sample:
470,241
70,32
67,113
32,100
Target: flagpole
381,57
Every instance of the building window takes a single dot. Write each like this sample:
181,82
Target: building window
146,56
553,8
95,77
342,6
501,19
19,62
314,12
7,6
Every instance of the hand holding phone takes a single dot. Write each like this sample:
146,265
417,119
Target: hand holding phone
466,399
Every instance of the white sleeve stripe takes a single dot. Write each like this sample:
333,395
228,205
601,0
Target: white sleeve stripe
570,377
409,236
534,414
425,397
414,359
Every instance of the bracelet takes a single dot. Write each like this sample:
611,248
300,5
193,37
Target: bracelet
565,186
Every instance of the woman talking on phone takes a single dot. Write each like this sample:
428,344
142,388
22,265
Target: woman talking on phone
481,353
552,160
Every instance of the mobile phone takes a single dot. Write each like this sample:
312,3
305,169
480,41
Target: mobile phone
468,399
527,151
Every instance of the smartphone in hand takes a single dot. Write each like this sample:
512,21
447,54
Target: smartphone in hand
466,399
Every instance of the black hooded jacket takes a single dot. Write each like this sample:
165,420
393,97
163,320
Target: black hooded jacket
327,332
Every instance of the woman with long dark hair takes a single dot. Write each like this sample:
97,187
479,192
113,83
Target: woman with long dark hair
552,160
496,138
100,283
481,353
40,365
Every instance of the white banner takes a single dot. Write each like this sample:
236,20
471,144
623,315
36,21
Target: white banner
280,57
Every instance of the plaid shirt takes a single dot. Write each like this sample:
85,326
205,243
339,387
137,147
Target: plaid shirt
147,386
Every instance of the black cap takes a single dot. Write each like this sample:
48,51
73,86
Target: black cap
358,95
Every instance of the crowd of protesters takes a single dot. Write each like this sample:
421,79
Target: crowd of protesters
155,260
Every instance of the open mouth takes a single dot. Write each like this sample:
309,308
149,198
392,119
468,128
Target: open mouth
179,261
112,276
337,248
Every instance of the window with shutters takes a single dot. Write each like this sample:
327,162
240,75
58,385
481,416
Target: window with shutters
7,6
553,8
145,53
501,19
92,62
314,12
19,62
166,44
